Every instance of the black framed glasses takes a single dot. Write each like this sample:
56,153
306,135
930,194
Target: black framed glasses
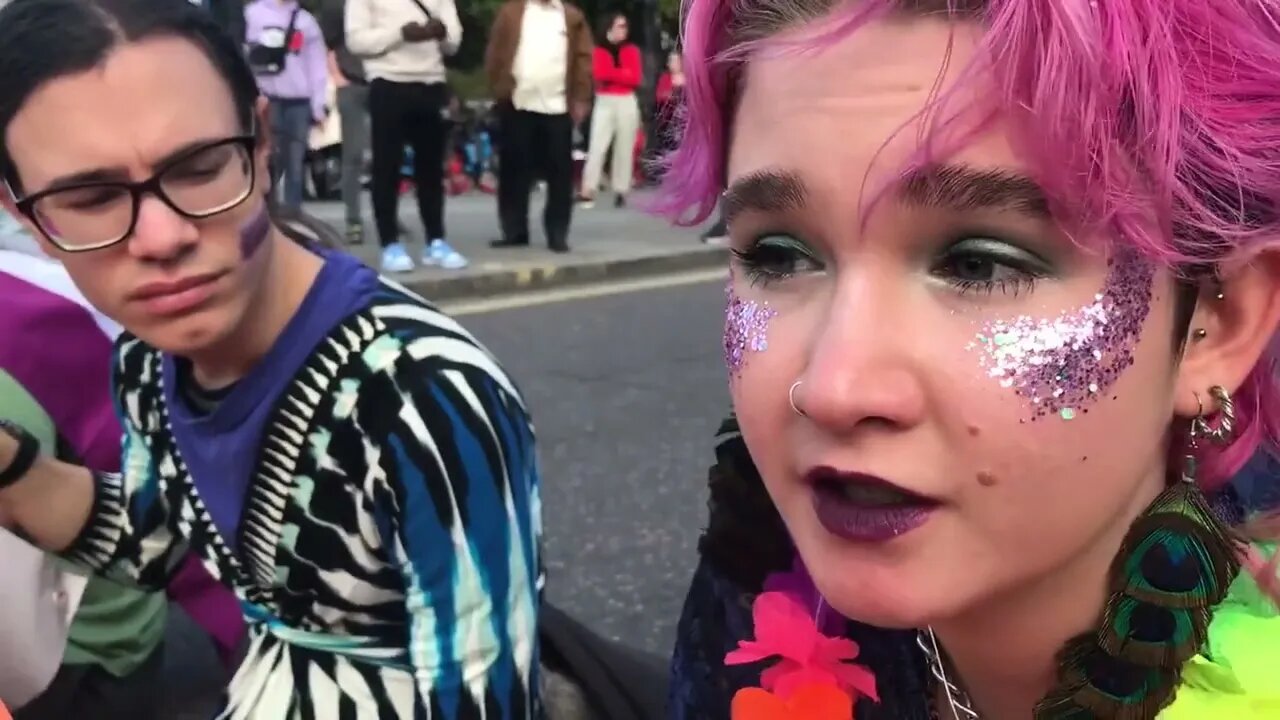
200,183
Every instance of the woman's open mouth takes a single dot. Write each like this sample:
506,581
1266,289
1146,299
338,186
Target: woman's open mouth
865,508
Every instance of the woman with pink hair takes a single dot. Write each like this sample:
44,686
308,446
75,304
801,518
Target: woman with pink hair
1001,329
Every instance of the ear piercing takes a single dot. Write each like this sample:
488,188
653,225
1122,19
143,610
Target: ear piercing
1200,333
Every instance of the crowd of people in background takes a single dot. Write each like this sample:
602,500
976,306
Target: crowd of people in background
565,104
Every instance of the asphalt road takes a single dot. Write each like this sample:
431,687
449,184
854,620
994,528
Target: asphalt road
626,391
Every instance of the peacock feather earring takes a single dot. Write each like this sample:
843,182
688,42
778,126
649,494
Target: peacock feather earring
1174,567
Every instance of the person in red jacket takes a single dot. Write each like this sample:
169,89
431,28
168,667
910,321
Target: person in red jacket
615,118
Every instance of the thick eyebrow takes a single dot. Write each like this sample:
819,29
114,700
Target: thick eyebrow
962,189
119,174
769,191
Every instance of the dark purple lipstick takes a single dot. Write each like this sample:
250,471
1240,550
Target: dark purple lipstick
865,508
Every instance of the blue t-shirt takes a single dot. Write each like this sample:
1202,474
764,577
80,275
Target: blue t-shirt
221,447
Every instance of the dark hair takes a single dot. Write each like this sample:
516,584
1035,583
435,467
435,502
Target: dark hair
42,40
606,24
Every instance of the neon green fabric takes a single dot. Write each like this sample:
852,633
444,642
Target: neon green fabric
1237,676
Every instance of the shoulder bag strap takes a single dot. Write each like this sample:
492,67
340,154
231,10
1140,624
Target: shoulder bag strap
288,33
423,7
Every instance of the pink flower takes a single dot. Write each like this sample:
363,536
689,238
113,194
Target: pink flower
784,629
799,584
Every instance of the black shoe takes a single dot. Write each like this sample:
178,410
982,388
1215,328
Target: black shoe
619,201
561,247
509,243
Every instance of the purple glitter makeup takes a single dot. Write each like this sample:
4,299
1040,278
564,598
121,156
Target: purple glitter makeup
1065,363
255,233
745,326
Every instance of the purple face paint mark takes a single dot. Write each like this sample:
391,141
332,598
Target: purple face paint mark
746,323
1063,364
255,233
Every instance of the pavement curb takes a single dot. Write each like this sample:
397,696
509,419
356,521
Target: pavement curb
525,278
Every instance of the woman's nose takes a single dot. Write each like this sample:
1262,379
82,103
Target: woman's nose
863,367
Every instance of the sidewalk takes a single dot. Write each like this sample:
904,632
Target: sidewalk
606,244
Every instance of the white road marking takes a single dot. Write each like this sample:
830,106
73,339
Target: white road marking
581,292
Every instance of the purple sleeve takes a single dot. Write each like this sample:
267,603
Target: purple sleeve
71,379
315,55
251,27
214,608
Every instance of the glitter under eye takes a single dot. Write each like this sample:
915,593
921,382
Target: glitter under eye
746,325
1063,364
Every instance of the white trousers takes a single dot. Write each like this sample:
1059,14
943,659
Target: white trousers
614,121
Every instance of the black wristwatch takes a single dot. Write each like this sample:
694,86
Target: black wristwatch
28,451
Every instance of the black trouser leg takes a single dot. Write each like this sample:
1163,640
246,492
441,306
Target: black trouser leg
427,135
92,693
556,142
387,126
515,172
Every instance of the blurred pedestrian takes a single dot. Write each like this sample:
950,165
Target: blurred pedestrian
539,67
404,43
668,94
347,72
287,53
615,118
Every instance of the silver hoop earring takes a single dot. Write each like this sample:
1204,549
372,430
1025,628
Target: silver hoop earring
1225,430
791,397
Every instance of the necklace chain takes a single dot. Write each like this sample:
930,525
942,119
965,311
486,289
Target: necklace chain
961,705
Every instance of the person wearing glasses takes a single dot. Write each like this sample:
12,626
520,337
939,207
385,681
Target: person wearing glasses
347,459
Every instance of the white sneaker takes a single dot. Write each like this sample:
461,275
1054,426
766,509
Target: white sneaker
395,259
442,254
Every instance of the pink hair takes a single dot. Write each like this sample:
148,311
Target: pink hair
1138,110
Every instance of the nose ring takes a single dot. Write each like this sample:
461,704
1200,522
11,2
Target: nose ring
791,397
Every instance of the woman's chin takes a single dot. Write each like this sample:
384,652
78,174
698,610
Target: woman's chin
882,612
881,596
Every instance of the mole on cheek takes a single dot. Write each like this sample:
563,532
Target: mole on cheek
986,479
974,431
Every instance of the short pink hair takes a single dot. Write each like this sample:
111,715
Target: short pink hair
1164,109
